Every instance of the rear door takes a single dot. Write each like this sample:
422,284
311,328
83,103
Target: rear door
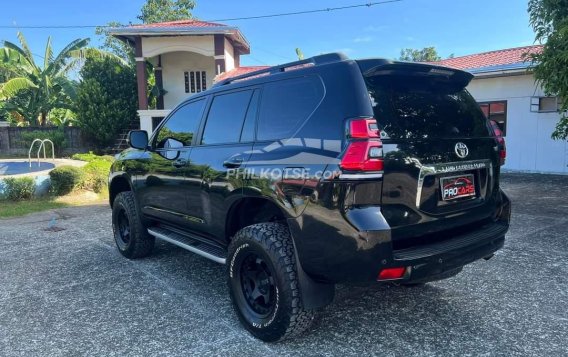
440,158
225,144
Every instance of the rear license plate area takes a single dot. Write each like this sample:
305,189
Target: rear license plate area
456,187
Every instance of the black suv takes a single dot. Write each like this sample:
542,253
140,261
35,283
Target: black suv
322,171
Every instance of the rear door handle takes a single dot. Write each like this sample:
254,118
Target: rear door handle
233,162
179,163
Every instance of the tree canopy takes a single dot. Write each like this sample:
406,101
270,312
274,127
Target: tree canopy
549,19
166,10
427,54
111,44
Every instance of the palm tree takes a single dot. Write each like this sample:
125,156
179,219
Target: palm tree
33,90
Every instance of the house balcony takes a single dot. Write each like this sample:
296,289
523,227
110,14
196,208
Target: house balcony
186,56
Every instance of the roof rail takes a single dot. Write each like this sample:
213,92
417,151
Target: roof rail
315,60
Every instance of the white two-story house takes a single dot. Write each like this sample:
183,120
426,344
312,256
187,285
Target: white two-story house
187,56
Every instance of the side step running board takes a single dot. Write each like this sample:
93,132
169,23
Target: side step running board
208,251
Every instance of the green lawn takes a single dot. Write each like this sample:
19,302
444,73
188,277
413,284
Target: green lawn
76,198
21,208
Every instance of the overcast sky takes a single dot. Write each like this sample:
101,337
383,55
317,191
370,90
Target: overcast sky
453,26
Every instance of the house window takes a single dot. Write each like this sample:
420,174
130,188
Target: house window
496,111
544,104
195,81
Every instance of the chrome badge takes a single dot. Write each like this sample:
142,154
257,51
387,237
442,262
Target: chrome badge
461,150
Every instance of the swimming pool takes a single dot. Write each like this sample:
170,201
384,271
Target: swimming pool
40,173
23,167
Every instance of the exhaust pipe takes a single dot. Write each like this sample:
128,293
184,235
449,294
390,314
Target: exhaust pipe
489,257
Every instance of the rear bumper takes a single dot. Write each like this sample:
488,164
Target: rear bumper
437,260
332,249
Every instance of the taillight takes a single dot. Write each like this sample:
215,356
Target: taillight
364,150
363,128
500,141
391,273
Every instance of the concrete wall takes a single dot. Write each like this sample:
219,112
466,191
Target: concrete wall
174,64
529,146
153,46
12,144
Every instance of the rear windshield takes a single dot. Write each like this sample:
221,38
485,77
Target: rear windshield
409,107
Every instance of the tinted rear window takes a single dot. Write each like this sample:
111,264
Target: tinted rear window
408,107
286,104
226,117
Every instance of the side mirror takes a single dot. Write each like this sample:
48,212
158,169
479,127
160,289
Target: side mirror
138,139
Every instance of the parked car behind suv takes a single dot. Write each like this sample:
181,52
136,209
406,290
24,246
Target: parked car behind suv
313,173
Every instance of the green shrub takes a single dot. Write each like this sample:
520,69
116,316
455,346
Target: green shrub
21,188
57,136
95,175
90,156
106,100
65,179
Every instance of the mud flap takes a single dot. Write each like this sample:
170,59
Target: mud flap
314,295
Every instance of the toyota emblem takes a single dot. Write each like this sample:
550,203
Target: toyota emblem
461,150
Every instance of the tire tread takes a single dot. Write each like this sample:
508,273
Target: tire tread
142,242
276,240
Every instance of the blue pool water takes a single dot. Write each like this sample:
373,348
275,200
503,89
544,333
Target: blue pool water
22,167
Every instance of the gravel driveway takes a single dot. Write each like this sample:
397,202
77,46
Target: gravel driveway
69,292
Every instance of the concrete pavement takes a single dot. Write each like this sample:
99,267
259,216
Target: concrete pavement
69,292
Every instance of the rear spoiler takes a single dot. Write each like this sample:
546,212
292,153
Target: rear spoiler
380,67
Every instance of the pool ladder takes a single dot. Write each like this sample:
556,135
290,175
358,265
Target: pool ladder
41,146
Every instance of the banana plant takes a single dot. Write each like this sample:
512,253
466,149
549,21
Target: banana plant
33,89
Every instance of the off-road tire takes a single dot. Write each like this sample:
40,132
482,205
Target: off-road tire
272,243
140,243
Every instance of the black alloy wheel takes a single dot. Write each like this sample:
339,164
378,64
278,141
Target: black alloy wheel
131,236
123,228
257,283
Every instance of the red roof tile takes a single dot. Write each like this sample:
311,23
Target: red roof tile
238,71
180,23
184,27
493,58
